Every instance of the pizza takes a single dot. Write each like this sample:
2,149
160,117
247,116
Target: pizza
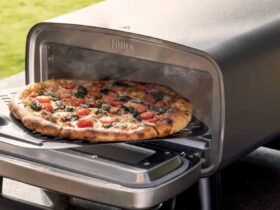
104,110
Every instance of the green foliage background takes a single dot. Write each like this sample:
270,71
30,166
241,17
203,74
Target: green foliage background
17,17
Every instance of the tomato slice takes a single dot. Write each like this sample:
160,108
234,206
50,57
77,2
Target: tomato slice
141,108
68,86
117,103
113,95
83,112
68,124
118,88
95,88
65,96
78,101
47,106
143,87
33,94
107,120
160,104
147,115
84,123
95,94
43,99
149,99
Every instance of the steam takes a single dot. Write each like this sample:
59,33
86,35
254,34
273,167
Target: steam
195,85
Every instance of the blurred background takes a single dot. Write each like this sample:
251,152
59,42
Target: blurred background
17,17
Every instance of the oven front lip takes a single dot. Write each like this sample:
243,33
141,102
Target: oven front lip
220,121
91,188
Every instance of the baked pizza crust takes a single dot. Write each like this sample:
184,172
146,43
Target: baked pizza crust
180,119
95,135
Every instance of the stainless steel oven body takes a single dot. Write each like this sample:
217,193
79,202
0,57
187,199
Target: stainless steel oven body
227,68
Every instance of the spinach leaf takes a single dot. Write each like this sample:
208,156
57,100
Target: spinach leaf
158,95
107,125
35,106
81,92
120,83
105,91
125,98
71,118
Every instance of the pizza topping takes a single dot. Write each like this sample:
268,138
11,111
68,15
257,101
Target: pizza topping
166,98
91,105
107,126
42,93
153,120
78,101
160,104
71,118
149,99
54,98
68,124
120,83
33,94
125,98
83,112
118,88
112,95
114,109
107,120
115,105
100,112
143,87
105,91
35,106
159,109
147,115
47,106
81,92
104,106
83,123
69,109
43,99
48,116
96,95
65,96
141,108
162,110
68,86
158,95
137,94
132,111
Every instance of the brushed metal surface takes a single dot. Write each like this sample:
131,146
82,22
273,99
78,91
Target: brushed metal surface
242,36
198,24
95,189
189,63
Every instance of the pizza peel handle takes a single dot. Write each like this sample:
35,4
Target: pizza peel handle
10,128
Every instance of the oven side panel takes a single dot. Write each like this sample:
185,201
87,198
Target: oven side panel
250,65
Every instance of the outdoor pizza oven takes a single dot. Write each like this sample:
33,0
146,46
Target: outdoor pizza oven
228,70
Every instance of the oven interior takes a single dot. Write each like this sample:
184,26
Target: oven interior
65,61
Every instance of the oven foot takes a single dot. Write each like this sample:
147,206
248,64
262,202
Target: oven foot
59,201
1,185
210,192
